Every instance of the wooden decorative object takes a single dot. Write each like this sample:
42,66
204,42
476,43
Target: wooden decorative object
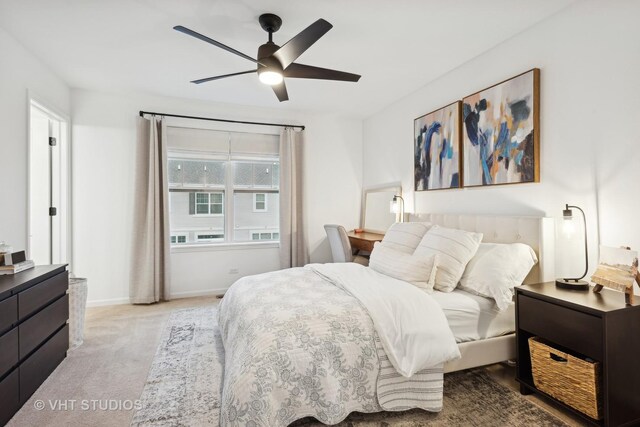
618,276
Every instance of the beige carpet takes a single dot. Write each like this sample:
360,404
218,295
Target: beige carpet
112,366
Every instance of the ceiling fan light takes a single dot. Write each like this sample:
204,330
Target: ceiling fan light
271,77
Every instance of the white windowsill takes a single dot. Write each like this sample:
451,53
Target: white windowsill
223,247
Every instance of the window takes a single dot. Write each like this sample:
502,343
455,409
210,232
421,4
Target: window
223,187
196,198
211,237
178,239
208,203
256,199
262,235
259,202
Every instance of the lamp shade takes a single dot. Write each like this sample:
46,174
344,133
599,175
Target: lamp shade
397,206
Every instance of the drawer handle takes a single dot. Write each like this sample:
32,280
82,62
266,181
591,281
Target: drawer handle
557,358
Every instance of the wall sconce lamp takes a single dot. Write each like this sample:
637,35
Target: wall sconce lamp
567,225
397,206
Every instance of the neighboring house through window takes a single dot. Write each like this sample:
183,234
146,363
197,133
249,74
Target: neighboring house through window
223,186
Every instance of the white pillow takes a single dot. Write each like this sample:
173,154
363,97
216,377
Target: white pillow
496,269
405,236
454,249
416,269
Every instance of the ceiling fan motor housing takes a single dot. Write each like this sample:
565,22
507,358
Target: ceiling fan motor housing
266,50
270,63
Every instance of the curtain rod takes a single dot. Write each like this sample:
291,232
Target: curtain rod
142,113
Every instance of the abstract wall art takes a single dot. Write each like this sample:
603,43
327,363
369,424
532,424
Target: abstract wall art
501,133
436,142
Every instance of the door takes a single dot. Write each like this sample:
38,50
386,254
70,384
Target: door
48,183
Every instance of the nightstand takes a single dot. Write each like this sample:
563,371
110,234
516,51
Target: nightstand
598,326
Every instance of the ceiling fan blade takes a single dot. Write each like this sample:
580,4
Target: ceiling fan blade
295,47
208,79
301,71
281,91
213,42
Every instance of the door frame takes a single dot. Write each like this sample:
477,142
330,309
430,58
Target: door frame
66,172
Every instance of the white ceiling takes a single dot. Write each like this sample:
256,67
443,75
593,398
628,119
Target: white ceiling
397,46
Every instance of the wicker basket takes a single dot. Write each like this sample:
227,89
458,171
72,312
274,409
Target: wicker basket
77,306
567,378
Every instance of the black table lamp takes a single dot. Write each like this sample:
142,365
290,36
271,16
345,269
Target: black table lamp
577,283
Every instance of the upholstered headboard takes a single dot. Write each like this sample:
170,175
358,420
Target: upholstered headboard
537,232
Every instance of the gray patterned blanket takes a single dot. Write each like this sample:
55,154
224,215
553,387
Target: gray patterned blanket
298,345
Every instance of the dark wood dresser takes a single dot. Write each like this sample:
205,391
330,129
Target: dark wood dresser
599,326
34,336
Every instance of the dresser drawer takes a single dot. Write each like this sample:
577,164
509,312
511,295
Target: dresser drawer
37,328
8,313
32,299
569,328
8,351
9,397
42,363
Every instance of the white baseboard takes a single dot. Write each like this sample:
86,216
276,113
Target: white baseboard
175,295
103,302
200,293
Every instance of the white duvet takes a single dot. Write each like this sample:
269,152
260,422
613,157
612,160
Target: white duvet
410,323
328,340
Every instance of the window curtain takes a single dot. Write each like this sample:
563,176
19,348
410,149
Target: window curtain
293,245
150,258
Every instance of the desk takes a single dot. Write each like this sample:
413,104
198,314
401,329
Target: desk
364,241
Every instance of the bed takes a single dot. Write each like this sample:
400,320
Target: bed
327,340
537,232
473,317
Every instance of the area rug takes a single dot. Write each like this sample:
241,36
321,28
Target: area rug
185,380
185,384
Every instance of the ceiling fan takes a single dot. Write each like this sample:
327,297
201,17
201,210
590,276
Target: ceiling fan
275,62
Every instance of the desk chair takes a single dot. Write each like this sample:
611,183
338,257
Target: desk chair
340,246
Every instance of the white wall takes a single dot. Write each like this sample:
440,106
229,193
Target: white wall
589,58
20,73
103,160
333,177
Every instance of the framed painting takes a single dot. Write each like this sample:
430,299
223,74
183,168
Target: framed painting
436,143
501,141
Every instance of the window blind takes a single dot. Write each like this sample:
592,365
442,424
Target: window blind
233,145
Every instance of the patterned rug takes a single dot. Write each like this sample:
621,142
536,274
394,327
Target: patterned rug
185,384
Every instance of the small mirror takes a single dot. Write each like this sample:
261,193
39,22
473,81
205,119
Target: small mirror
376,214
